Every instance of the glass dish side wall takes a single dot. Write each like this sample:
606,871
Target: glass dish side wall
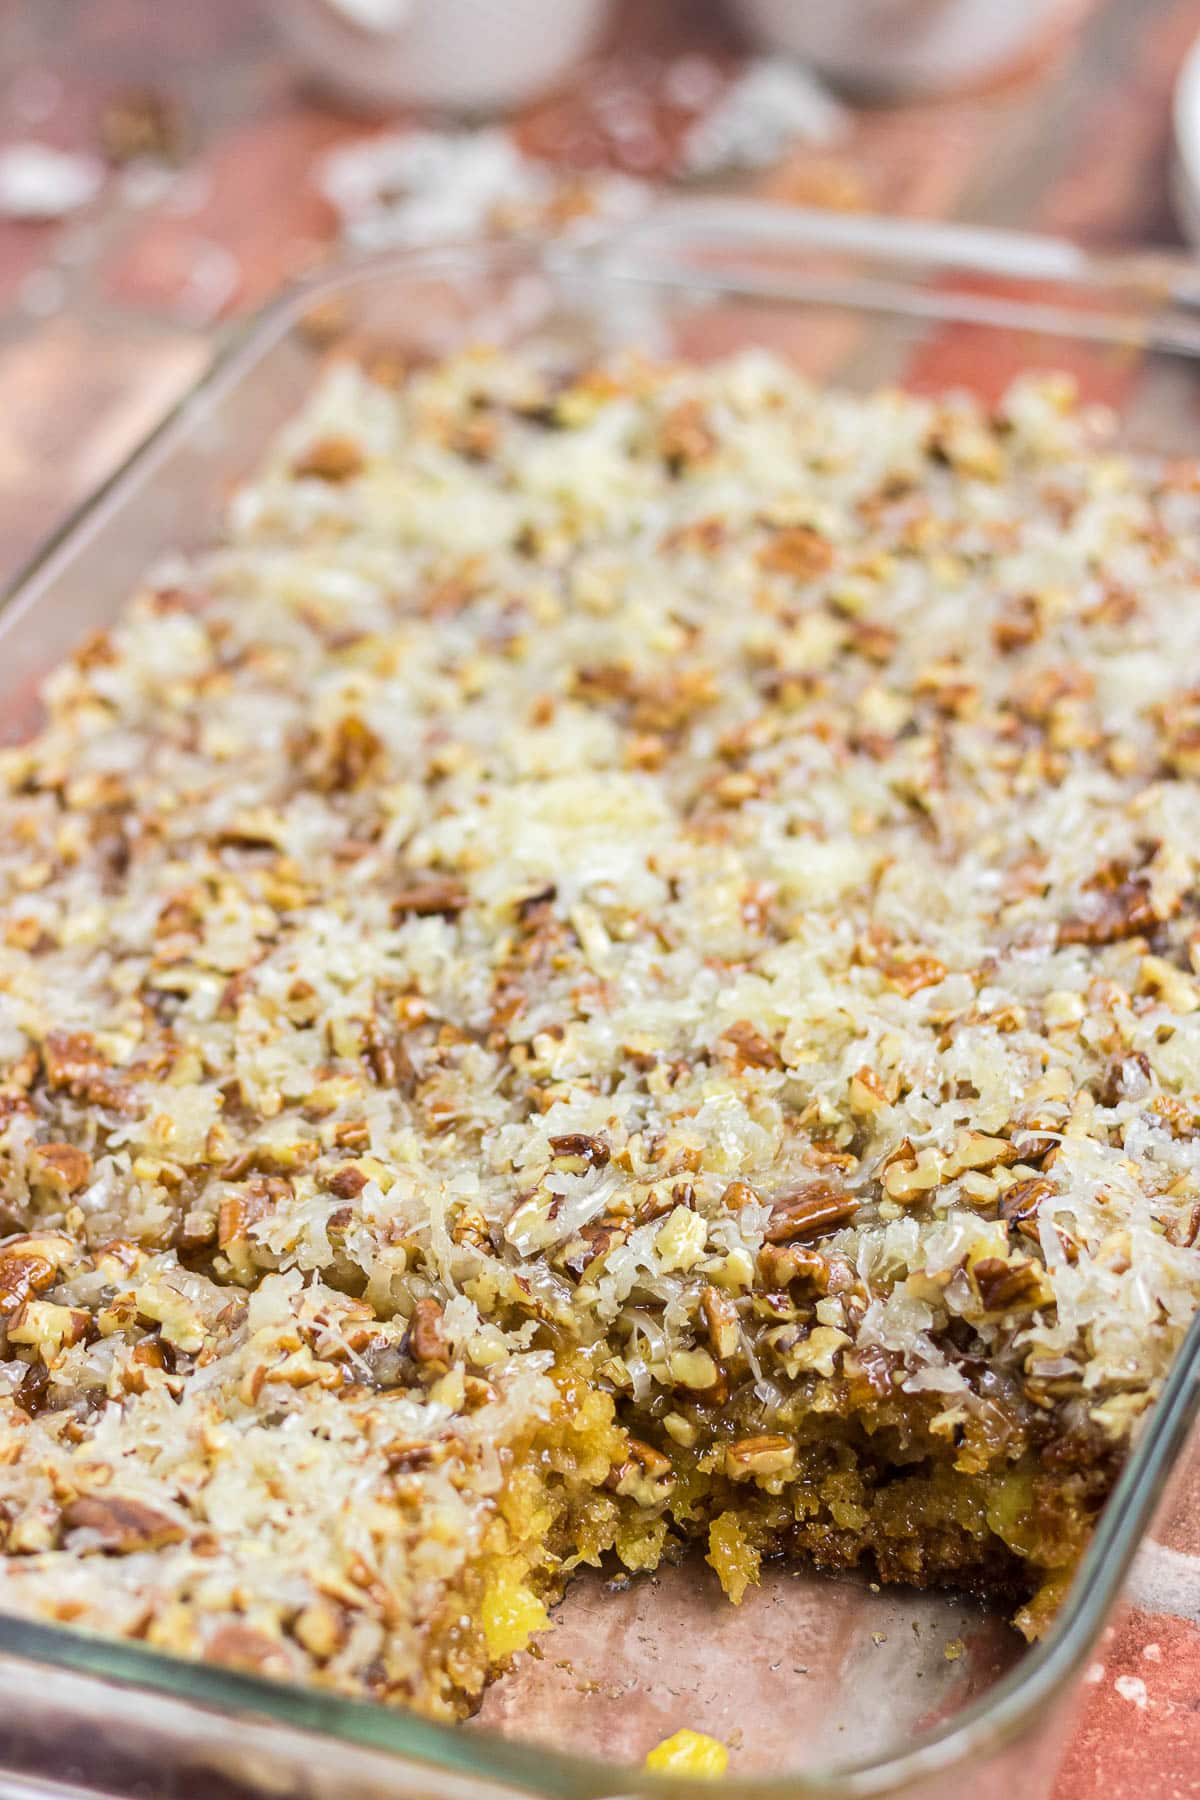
854,302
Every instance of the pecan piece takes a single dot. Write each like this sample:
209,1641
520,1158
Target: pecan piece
49,1329
910,976
755,1456
1003,1285
352,753
321,1627
428,897
752,1049
685,436
720,1322
119,1525
426,1337
578,1152
352,1134
781,1264
594,1243
696,1372
242,1647
810,1212
1019,1203
1125,911
59,1168
1125,1078
347,1182
797,550
1018,626
1175,1115
30,1265
646,1475
334,457
74,1064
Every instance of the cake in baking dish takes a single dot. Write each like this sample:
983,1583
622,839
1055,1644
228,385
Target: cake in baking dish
615,966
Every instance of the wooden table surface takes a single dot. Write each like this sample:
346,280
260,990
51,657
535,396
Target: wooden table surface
107,316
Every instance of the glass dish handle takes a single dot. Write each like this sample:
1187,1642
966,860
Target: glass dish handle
688,233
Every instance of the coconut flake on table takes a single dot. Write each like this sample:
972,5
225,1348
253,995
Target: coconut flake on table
771,105
423,186
37,182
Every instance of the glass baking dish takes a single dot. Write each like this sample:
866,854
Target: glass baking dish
824,1687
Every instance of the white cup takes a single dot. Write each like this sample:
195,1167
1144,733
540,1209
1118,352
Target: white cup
469,55
902,46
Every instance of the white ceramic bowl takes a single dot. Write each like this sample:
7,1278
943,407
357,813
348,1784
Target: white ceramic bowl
469,55
902,46
1185,174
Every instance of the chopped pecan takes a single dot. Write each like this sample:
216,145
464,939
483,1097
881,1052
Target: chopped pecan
428,897
334,458
1175,1114
74,1064
476,438
781,1264
1124,908
696,1372
48,1328
873,640
763,1456
595,1241
351,753
810,1212
908,1174
321,1627
797,550
119,1525
1018,626
1126,1078
869,1093
579,1152
1004,1285
406,1455
386,1057
347,1182
239,1211
908,977
426,1336
660,702
705,535
645,1475
976,1150
720,1322
29,1265
243,1647
352,1134
685,436
1019,1203
59,1168
1179,721
753,1049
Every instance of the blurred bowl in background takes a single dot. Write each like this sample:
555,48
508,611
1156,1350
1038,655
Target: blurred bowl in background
1185,172
467,55
903,47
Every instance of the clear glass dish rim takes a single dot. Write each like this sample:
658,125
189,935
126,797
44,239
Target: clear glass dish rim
1153,305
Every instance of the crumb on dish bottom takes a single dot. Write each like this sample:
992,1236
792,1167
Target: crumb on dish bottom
617,965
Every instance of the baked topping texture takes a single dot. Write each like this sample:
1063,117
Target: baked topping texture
618,964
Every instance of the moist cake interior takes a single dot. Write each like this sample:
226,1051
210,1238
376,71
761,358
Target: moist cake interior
615,966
